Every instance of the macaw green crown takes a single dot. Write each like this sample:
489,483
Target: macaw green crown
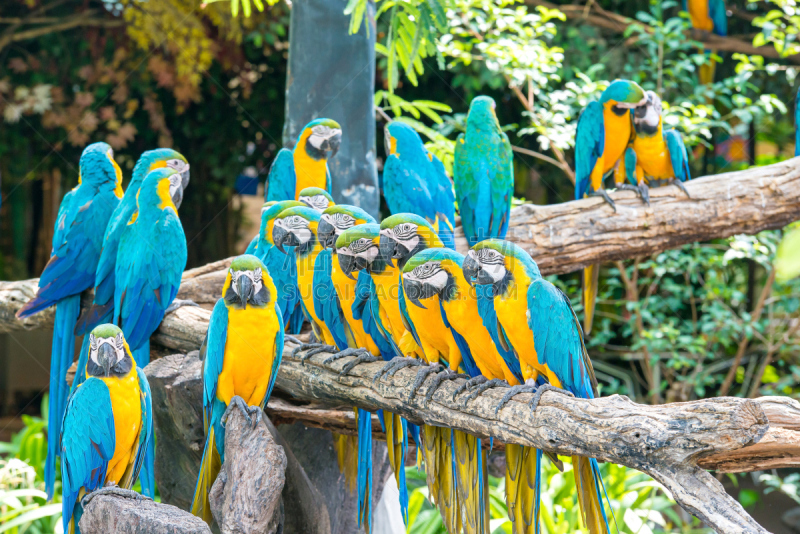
276,208
362,231
314,191
95,165
309,214
330,123
148,158
247,262
106,331
405,136
481,110
400,218
268,204
441,255
622,91
361,216
509,250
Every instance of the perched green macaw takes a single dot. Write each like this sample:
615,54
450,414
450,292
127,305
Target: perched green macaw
535,321
414,181
108,424
306,165
657,155
604,131
316,198
709,16
241,356
103,304
77,241
281,266
483,173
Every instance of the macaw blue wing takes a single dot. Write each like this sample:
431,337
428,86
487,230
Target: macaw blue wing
718,13
629,162
362,311
212,352
87,444
558,339
589,146
375,311
146,453
147,286
277,356
326,302
251,248
283,269
467,361
445,203
678,155
406,191
484,294
401,297
281,180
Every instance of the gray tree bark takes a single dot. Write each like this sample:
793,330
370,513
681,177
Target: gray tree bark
111,514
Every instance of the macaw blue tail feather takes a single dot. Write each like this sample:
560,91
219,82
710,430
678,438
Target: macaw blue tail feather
67,311
83,359
141,355
147,475
365,470
296,321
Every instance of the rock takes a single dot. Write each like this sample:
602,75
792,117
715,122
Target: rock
111,514
245,498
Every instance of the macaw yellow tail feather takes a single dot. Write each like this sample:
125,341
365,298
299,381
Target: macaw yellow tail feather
523,486
590,279
440,474
469,468
347,455
209,469
588,484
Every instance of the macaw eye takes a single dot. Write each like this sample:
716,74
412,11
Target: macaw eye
92,342
257,275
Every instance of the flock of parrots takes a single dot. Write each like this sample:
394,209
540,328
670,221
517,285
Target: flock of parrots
395,291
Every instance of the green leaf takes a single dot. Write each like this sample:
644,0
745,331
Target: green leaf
787,257
748,497
30,516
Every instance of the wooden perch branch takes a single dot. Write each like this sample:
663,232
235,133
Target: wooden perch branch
561,238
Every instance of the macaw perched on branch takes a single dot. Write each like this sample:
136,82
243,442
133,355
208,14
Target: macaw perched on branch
604,131
483,173
108,424
103,304
77,241
709,16
316,198
535,320
241,356
657,155
414,181
306,165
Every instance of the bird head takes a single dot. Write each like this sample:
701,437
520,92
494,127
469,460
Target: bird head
647,117
317,198
337,219
357,248
269,211
622,96
482,112
429,273
97,167
400,138
405,234
109,353
158,159
321,138
296,227
161,188
495,261
248,283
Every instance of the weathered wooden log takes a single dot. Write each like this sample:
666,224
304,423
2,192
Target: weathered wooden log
112,514
569,236
246,497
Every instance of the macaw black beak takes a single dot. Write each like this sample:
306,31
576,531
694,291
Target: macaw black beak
106,358
326,233
484,277
332,143
279,235
177,196
640,112
244,287
414,291
185,177
386,249
348,265
470,267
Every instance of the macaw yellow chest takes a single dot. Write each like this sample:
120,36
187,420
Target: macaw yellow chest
126,403
512,314
249,354
388,290
652,156
308,171
346,290
617,135
437,340
698,15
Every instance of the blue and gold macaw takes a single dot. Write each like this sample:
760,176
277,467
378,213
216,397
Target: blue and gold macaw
316,198
483,173
414,181
656,155
536,322
103,304
709,16
281,266
604,131
306,165
77,241
241,356
108,424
